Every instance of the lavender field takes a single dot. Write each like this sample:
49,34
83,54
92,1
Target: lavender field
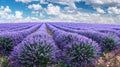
59,45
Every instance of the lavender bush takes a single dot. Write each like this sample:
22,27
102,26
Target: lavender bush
6,44
10,39
77,50
37,50
108,41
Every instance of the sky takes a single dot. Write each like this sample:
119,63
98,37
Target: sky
85,11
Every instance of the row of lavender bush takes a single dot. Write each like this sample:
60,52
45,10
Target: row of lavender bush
107,41
10,39
104,28
89,26
14,27
37,50
76,50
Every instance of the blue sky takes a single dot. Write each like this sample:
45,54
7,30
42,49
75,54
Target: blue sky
89,11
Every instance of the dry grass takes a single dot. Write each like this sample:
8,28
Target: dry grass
111,59
48,31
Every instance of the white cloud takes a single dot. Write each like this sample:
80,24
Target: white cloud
24,1
53,10
5,12
77,16
18,14
110,1
7,9
35,12
113,5
70,3
31,19
28,1
35,7
66,15
102,2
94,2
114,10
99,10
43,2
1,7
80,18
85,17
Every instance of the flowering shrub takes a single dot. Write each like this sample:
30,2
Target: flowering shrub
37,50
107,41
10,39
6,44
76,49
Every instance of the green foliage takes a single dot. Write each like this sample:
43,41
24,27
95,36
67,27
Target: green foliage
81,53
4,62
6,45
62,64
109,44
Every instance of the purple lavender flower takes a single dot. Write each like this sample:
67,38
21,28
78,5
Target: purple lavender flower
37,50
76,49
10,39
106,41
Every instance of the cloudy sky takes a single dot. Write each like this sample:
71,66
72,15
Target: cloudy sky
89,11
